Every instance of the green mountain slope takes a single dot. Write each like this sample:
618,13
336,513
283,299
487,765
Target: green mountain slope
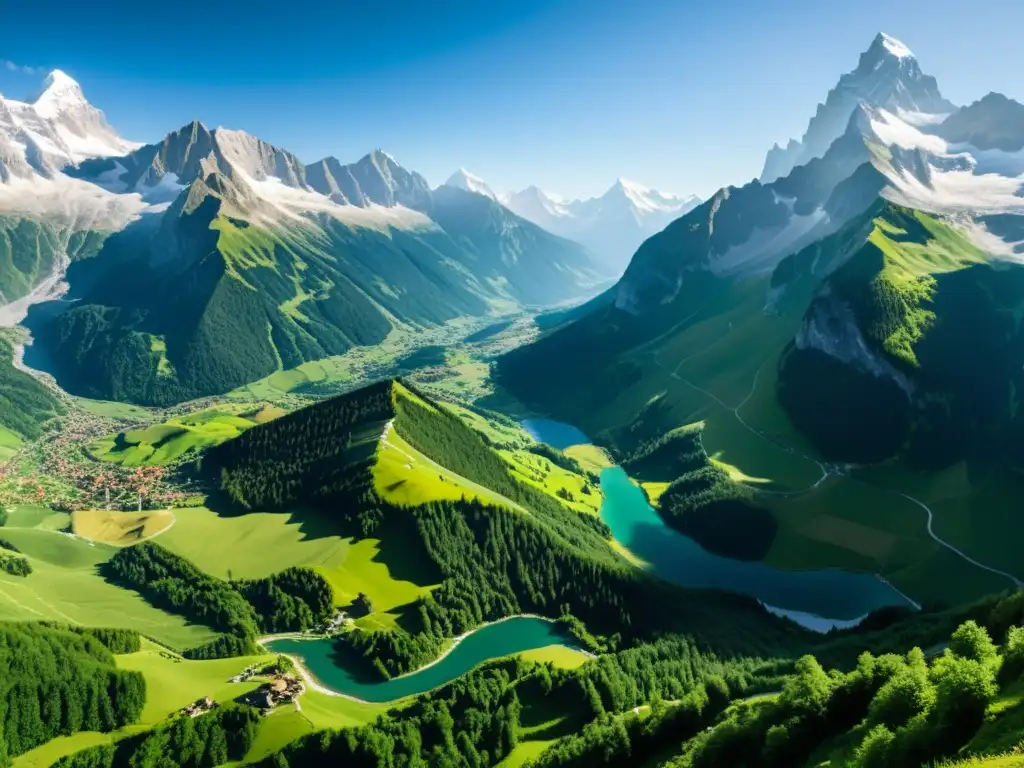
918,338
513,550
25,404
260,264
207,302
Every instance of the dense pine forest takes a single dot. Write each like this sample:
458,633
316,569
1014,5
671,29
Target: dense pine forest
475,720
57,683
214,739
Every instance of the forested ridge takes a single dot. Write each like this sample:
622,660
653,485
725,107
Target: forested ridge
57,683
492,562
475,720
702,501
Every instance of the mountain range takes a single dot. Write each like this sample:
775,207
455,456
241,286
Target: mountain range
212,258
611,226
858,304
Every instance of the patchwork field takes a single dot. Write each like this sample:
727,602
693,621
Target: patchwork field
160,444
120,529
65,585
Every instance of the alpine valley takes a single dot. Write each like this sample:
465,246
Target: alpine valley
314,464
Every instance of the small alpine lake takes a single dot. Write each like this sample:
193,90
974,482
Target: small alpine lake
491,641
817,599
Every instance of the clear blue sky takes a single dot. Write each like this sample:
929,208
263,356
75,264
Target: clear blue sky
568,94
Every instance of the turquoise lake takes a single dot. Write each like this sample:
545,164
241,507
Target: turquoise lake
514,635
817,599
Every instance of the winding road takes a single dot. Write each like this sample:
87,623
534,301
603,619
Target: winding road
826,470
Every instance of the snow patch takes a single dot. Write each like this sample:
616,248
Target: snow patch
293,203
895,47
463,179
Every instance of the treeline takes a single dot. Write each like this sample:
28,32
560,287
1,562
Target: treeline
702,501
719,514
499,563
290,601
891,711
667,457
215,738
310,455
57,683
473,721
295,598
116,640
441,435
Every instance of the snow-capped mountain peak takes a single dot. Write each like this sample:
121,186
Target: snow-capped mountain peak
894,46
887,77
463,179
611,225
645,199
60,93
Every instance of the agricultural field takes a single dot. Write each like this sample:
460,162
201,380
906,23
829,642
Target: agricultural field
65,584
163,443
120,529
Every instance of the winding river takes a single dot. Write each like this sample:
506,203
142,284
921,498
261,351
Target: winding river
502,638
817,599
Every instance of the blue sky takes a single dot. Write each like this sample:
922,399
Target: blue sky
567,94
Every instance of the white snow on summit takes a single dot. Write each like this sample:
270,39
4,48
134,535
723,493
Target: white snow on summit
463,179
612,226
895,47
941,177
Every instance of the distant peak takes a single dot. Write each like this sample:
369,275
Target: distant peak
380,156
887,45
463,179
60,92
59,79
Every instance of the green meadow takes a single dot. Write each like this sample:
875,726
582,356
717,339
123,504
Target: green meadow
65,585
259,544
163,443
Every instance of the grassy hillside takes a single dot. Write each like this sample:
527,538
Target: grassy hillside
25,403
65,584
180,436
501,547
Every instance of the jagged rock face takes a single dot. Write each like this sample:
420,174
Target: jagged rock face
994,122
887,76
830,326
376,179
191,153
58,129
